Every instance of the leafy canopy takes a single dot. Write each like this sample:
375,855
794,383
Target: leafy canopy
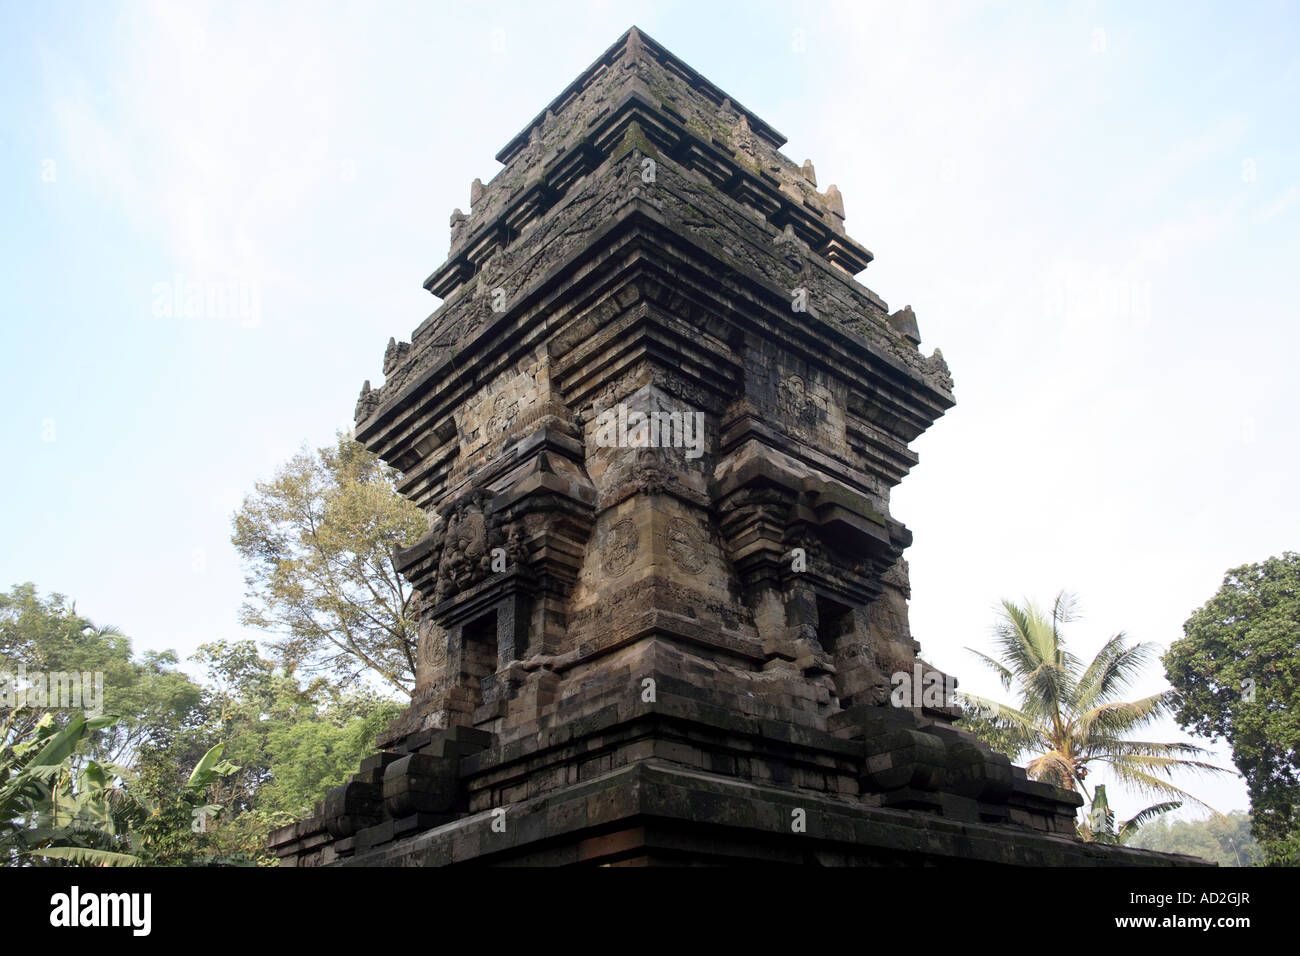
47,634
207,767
1225,840
317,543
1236,674
286,744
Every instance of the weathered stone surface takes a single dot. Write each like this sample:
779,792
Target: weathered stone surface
673,637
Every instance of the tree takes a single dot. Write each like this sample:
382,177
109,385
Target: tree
48,636
317,542
290,743
1236,674
1225,840
68,771
76,787
174,828
53,806
1071,715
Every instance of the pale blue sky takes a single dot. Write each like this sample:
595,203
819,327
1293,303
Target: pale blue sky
1091,207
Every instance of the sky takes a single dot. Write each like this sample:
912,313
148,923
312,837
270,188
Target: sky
1091,207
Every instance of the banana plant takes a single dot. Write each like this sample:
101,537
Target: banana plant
58,805
1098,826
54,806
208,771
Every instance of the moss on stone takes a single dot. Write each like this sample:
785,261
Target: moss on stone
635,139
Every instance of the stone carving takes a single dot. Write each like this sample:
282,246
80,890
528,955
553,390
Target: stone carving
897,576
367,402
937,367
504,412
395,355
834,200
904,323
459,226
685,545
465,553
791,248
794,394
461,548
619,547
433,646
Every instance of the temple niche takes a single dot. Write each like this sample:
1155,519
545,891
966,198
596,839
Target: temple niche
655,424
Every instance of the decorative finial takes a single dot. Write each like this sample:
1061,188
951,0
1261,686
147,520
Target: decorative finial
634,48
904,323
834,200
458,220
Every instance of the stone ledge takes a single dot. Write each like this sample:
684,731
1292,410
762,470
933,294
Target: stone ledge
654,812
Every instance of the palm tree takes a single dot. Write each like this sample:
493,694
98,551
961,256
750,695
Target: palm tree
1071,715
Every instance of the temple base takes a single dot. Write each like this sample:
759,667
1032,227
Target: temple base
674,782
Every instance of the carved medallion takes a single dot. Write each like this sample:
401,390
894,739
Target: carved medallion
619,547
685,545
504,412
434,647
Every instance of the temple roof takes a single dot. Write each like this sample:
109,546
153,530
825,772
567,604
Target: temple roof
637,42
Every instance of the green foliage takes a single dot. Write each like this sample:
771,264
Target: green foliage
55,806
1098,824
286,746
1071,715
317,542
76,808
1223,839
154,699
209,767
1236,673
313,756
176,832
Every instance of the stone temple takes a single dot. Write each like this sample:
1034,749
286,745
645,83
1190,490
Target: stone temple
655,424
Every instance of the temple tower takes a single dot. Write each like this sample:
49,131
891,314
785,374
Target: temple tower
655,424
